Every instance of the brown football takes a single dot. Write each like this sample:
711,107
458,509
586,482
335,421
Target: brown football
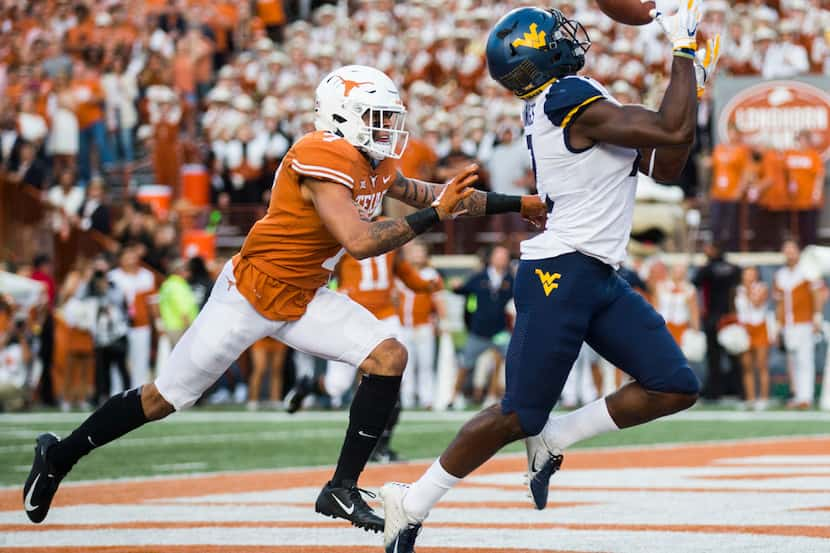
629,12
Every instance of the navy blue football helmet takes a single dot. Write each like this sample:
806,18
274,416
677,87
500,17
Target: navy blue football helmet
530,47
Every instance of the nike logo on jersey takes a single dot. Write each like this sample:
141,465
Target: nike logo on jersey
27,501
365,435
548,281
386,178
349,510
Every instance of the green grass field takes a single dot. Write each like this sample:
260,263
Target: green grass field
204,441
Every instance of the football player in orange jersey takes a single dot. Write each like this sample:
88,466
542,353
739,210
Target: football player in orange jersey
275,286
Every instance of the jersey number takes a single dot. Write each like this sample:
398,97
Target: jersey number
367,274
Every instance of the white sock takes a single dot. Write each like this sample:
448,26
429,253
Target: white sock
588,421
427,491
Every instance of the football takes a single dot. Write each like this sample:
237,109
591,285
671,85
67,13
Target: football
629,12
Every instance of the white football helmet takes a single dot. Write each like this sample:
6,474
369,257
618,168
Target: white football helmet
362,105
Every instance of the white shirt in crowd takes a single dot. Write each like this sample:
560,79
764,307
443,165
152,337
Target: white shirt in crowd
785,60
132,284
69,201
12,367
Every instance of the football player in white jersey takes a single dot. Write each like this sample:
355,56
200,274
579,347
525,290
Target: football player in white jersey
586,150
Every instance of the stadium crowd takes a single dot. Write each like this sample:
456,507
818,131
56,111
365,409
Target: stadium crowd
101,97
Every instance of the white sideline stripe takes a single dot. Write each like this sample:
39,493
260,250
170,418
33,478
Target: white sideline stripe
322,168
172,467
563,538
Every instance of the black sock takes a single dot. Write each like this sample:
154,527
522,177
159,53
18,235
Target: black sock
119,415
373,403
386,437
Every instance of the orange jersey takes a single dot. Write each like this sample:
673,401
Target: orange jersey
775,197
371,282
729,163
795,290
416,308
418,160
290,253
805,172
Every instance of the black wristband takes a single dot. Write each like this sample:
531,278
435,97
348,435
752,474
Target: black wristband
502,203
423,219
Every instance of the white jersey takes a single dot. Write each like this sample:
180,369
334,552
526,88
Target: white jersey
590,192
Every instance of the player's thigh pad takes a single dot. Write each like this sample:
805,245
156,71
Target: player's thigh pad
225,327
336,328
629,333
554,299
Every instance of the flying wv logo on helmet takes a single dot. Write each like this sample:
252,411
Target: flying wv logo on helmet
533,39
529,48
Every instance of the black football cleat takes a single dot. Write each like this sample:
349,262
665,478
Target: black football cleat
347,503
295,396
43,480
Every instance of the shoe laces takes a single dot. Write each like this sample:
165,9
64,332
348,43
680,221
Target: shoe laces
354,493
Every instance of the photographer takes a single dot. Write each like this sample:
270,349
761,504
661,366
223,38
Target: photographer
109,333
15,357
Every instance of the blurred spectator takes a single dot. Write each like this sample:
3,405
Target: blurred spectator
109,334
176,302
267,357
509,169
799,301
773,199
66,197
784,58
420,313
43,272
94,213
89,99
121,91
676,301
730,178
64,138
488,293
717,281
805,175
199,280
751,307
78,318
9,139
165,118
30,169
15,357
137,284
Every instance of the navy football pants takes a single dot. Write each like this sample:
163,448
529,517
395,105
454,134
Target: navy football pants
564,300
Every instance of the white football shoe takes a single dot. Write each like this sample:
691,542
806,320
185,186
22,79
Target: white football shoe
399,533
542,463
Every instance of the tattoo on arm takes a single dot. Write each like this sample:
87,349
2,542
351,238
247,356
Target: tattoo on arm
418,193
475,204
387,235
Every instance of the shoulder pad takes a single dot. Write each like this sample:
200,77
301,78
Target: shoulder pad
326,156
567,96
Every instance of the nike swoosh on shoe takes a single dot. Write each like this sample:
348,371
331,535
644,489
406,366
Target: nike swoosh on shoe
349,510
